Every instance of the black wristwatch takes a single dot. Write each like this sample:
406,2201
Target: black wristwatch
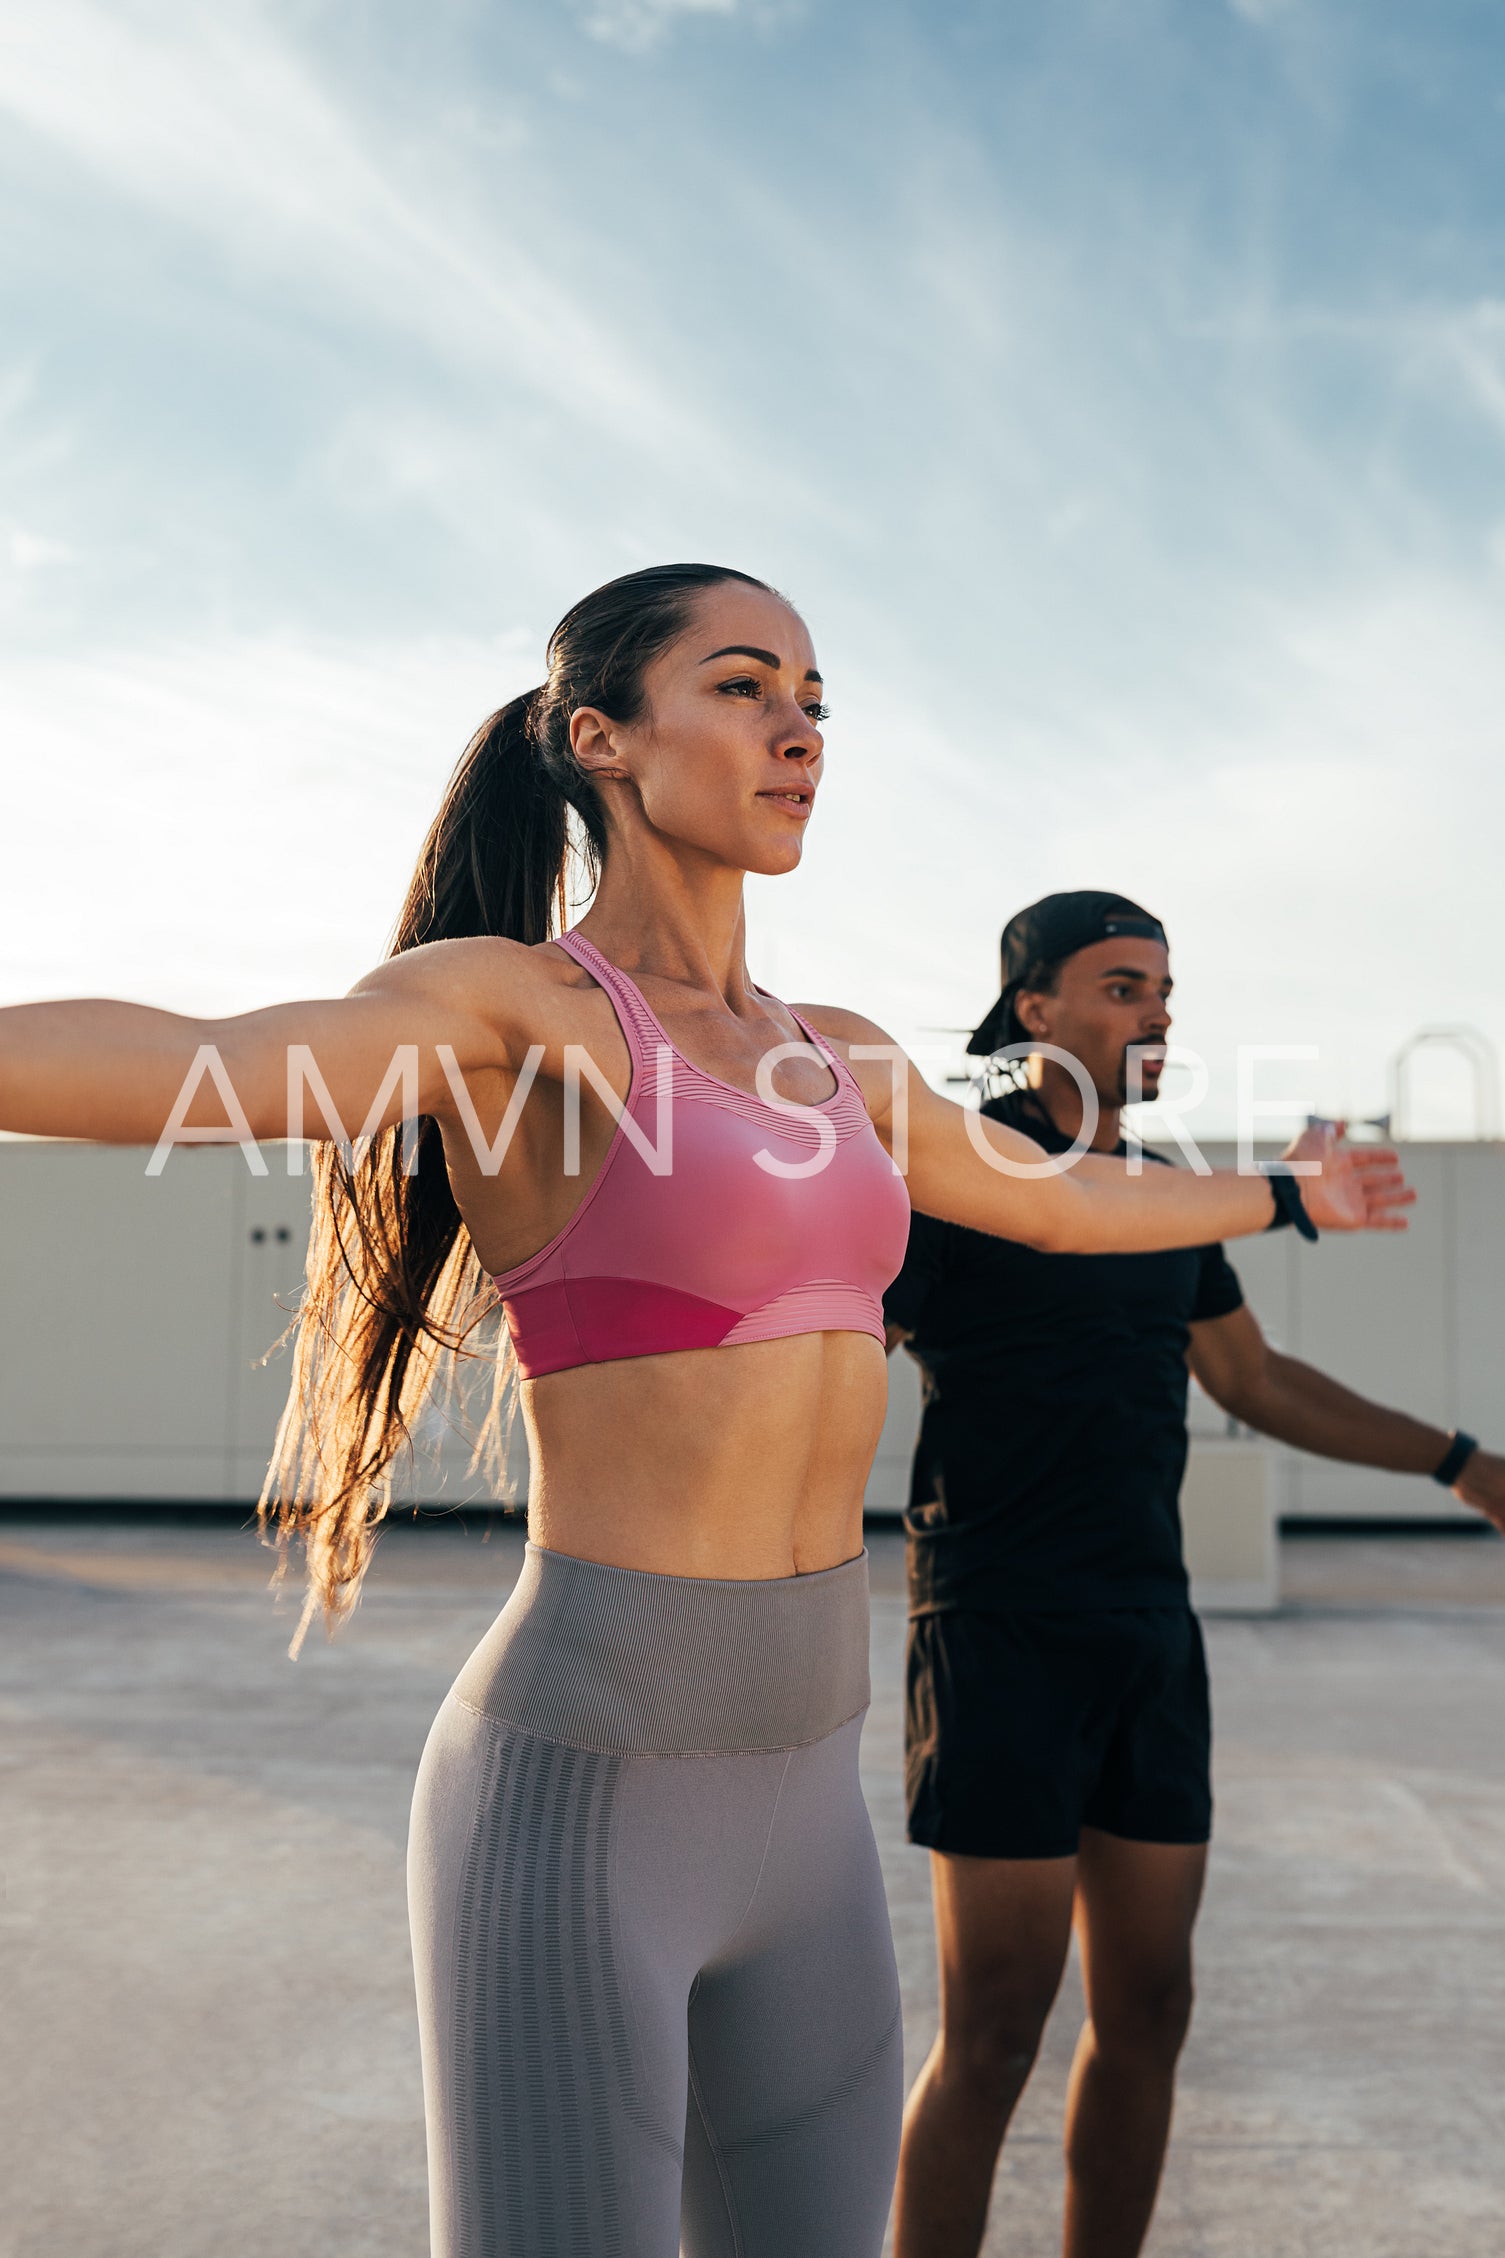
1290,1207
1457,1455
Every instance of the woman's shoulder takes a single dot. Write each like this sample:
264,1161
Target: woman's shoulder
536,990
478,961
845,1028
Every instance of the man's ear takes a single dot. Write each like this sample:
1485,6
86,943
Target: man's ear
1031,1014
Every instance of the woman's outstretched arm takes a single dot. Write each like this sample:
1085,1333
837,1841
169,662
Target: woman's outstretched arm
117,1073
967,1169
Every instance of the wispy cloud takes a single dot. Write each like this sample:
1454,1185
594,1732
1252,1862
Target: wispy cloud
29,551
221,126
1476,337
637,25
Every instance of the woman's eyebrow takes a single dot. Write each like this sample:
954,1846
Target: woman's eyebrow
764,658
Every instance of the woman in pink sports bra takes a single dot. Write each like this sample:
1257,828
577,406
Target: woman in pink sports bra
657,1995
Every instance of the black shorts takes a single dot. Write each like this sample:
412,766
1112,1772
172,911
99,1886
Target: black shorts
1023,1729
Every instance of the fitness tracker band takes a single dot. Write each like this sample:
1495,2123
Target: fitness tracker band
1290,1207
1457,1455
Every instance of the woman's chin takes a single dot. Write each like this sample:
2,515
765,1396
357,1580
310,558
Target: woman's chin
771,849
767,861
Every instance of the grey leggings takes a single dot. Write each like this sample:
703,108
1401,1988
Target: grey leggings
656,1980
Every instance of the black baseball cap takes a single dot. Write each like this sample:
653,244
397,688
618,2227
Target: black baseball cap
1052,928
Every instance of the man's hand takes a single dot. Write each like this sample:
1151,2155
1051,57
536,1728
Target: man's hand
1482,1486
1361,1187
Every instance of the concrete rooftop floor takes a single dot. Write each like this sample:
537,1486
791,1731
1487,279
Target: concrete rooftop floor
209,2038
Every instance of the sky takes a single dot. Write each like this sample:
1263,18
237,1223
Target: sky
1117,387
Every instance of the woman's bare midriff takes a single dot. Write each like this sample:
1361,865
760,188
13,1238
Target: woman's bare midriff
741,1462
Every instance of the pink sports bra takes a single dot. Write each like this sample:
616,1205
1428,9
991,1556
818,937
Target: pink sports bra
715,1218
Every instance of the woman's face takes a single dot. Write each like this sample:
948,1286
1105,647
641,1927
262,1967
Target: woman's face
726,755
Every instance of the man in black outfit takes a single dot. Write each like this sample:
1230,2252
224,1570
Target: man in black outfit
1058,1732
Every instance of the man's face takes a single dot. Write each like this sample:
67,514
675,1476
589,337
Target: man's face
1110,997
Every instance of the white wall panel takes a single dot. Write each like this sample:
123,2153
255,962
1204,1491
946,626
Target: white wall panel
115,1321
1385,1313
1380,1313
1479,1290
269,1222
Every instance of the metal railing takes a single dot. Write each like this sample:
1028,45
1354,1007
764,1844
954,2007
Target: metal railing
1470,1043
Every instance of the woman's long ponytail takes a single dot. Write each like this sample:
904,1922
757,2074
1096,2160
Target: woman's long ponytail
494,860
394,1294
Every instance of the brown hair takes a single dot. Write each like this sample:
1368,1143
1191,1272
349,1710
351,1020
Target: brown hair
393,1289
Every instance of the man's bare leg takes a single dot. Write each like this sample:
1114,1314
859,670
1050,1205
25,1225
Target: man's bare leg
1003,1930
1136,1907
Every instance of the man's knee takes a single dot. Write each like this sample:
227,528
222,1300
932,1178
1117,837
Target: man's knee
1145,2021
990,2046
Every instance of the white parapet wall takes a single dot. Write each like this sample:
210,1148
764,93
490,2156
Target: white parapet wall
1231,1503
135,1314
139,1322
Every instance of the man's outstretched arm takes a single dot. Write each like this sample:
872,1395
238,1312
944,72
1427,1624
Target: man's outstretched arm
1295,1403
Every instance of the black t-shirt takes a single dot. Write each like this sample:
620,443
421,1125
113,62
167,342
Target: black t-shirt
1051,1453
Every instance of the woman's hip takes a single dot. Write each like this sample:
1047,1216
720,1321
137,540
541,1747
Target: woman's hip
629,1663
679,1752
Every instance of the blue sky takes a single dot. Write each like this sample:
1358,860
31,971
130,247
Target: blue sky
1117,385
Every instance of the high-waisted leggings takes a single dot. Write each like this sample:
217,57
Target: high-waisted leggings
656,1982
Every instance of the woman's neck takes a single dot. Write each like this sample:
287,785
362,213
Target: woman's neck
678,922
